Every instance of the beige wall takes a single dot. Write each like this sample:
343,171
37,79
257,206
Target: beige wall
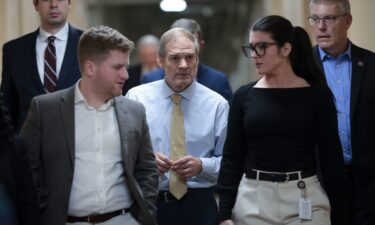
18,17
361,31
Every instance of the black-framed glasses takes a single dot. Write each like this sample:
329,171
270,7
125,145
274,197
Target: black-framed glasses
259,48
327,20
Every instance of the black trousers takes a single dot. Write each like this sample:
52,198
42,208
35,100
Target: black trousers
197,207
358,215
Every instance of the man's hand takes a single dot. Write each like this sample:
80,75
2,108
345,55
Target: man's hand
163,163
187,167
227,222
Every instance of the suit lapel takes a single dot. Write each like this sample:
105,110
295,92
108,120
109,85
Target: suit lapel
358,69
69,58
122,118
31,63
67,116
319,62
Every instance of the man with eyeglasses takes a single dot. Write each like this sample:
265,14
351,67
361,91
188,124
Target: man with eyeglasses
350,73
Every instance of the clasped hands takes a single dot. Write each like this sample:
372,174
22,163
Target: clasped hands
186,167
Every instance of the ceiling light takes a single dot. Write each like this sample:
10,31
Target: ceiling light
173,5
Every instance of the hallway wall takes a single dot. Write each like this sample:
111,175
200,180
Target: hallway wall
18,17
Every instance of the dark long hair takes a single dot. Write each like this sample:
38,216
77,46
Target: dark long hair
7,133
301,57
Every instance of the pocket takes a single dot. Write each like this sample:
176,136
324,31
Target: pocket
247,201
319,197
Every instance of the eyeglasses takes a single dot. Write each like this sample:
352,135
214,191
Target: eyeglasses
327,20
259,48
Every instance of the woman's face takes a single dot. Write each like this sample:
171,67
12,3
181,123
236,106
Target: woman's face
264,52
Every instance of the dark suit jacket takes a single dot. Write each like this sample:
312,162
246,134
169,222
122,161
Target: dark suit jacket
16,178
362,120
49,131
207,76
20,76
134,78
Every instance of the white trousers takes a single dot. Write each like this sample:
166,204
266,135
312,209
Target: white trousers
272,203
125,219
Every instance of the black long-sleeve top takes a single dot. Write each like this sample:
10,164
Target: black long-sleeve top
283,129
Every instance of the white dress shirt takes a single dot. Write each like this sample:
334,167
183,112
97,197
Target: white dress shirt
60,44
99,185
205,120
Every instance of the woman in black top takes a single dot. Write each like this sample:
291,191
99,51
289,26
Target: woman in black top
282,131
15,177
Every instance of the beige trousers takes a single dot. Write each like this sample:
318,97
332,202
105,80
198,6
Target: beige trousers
272,203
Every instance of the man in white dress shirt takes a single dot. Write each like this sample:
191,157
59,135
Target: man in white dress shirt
205,121
89,146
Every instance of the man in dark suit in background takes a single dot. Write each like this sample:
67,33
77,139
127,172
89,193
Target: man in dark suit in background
23,59
89,146
350,73
209,77
18,200
147,52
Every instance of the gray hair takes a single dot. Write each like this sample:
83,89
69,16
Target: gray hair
189,24
344,4
148,40
174,34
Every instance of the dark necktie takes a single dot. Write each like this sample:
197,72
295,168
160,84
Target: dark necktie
50,76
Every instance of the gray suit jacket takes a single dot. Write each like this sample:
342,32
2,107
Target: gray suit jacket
50,135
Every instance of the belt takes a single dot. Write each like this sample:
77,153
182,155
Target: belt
99,218
166,196
278,177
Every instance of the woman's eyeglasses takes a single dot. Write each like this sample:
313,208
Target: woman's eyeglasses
259,48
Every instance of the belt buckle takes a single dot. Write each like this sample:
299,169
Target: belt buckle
286,178
168,197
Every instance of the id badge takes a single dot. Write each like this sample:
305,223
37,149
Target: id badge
305,210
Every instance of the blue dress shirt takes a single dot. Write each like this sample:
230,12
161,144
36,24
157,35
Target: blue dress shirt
205,120
338,72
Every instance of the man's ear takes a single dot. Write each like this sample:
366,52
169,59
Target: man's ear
160,61
348,21
35,3
89,67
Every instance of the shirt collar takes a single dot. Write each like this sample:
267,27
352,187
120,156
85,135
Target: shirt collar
324,55
186,94
61,35
80,99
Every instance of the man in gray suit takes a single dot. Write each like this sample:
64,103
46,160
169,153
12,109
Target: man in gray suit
89,146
